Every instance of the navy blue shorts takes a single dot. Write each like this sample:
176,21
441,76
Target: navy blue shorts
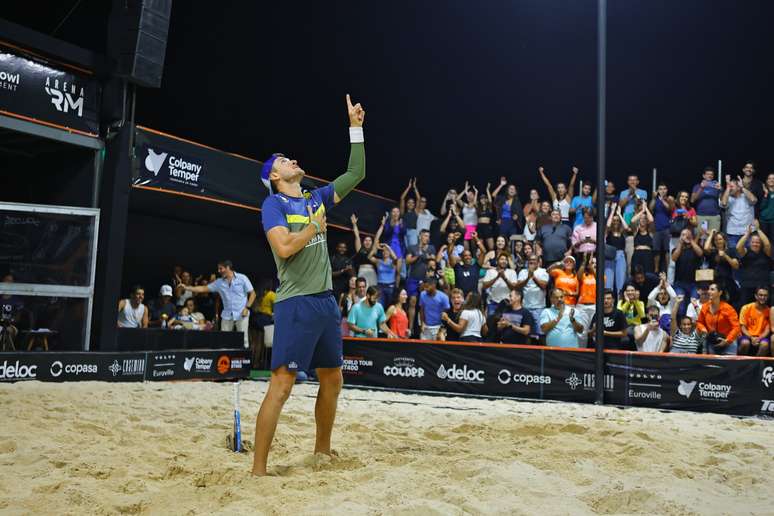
307,333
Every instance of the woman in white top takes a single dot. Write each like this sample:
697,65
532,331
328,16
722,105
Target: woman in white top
663,297
561,198
468,201
131,312
472,319
181,294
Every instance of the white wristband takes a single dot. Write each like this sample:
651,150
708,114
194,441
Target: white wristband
356,135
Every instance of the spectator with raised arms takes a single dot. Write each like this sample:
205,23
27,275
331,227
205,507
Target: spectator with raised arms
565,279
723,259
683,217
649,336
580,202
615,250
561,197
739,203
767,207
663,297
408,212
685,338
705,198
642,235
364,268
509,210
661,207
486,218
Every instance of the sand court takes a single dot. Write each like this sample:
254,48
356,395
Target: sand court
99,448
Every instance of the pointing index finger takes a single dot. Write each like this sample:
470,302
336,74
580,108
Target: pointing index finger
349,103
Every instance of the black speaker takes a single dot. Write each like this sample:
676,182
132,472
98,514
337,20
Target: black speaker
137,39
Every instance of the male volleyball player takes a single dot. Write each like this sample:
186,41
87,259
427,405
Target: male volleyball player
307,321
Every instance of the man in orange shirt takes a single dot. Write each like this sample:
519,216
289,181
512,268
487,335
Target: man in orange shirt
755,326
719,322
565,279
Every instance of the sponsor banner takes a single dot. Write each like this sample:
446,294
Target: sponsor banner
125,367
765,384
686,383
34,88
172,164
512,372
168,168
743,387
200,364
75,366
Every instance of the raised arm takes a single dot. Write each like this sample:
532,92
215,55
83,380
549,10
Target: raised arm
417,197
571,186
443,211
356,171
371,254
358,243
726,193
445,222
741,248
456,213
459,199
502,184
403,195
709,244
203,289
610,220
544,178
674,323
751,198
648,214
379,231
624,225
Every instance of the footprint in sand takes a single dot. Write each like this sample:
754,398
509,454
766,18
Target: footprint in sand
91,427
573,428
7,446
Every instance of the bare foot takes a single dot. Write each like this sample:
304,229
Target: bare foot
329,453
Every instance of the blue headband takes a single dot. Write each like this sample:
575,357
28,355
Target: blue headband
266,170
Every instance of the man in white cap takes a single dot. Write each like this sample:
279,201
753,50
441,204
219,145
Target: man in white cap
162,306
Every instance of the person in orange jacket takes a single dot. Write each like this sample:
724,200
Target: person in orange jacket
719,322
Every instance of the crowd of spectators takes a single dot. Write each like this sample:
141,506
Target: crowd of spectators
685,271
220,301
